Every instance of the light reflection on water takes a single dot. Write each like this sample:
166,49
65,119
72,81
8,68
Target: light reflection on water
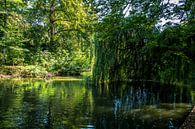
73,105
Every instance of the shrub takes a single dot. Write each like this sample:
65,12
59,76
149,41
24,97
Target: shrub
24,71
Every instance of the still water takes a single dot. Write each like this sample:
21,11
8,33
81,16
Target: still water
35,104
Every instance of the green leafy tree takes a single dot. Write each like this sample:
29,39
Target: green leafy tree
138,47
12,25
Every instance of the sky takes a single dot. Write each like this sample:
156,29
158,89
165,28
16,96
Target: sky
162,20
173,1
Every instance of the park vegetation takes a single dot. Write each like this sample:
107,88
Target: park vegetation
115,40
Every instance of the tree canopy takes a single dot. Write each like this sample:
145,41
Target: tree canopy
144,40
117,39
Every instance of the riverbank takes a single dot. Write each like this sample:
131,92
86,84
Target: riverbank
189,122
4,76
38,72
55,78
23,71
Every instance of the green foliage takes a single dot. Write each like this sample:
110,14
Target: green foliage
23,71
54,35
33,71
12,26
62,62
132,47
121,40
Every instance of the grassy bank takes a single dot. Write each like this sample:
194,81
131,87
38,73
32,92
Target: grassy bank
22,71
37,72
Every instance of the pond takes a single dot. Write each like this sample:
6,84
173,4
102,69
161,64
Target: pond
36,104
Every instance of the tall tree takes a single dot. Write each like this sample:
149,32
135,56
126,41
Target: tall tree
128,35
11,30
60,20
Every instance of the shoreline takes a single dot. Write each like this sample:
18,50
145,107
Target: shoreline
59,78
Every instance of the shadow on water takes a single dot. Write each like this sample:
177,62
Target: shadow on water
73,105
141,106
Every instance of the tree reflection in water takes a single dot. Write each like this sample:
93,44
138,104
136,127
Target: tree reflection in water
138,105
73,105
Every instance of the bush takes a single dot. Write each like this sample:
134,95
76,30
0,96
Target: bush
24,71
33,71
62,62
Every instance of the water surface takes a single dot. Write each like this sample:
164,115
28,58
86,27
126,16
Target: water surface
33,104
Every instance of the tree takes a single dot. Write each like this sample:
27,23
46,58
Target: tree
128,35
12,27
58,26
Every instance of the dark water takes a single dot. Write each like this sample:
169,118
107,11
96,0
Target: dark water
73,105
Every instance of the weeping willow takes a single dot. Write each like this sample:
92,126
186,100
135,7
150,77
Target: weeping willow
131,48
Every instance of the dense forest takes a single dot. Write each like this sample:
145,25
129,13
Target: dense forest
116,40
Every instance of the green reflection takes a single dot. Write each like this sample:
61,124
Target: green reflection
57,104
37,104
